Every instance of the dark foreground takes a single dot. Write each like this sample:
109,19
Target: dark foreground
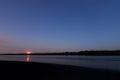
39,71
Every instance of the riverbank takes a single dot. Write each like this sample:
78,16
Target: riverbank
15,70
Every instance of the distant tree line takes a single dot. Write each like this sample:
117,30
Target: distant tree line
84,53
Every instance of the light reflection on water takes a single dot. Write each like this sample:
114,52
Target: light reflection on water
28,58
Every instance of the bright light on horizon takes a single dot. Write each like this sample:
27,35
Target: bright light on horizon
28,51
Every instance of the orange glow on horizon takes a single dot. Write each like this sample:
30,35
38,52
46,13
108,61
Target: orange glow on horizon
28,51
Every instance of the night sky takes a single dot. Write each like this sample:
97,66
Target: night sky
59,25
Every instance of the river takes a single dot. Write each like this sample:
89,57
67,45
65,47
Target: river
103,62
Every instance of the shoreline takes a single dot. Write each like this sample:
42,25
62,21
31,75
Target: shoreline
78,53
45,71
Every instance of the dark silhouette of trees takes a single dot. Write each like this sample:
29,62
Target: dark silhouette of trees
84,53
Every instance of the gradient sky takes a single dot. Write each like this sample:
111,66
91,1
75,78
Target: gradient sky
59,25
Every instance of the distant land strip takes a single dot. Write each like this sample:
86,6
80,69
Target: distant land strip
81,53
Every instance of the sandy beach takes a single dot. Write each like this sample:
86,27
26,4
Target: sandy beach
14,70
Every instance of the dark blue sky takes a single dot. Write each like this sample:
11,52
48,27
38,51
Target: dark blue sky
59,25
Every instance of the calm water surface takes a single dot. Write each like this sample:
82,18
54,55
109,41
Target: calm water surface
105,62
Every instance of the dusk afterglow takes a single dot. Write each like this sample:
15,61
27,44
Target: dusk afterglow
28,51
59,25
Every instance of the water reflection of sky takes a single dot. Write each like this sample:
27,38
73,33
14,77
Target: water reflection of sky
106,62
